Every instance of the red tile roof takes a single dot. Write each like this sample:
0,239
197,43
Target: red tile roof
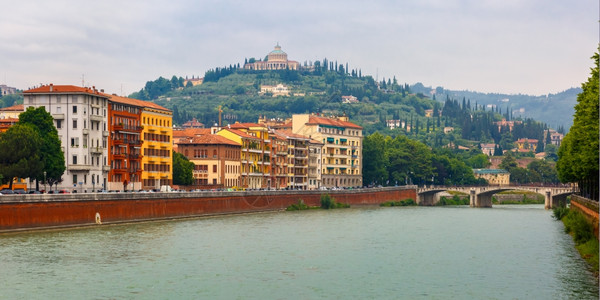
211,139
51,88
18,107
241,133
134,102
245,125
316,120
190,132
290,134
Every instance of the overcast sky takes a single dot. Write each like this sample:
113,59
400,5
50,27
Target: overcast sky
508,46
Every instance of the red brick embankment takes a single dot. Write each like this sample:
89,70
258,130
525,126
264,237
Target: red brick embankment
29,212
588,208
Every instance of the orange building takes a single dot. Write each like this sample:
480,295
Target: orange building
216,160
124,144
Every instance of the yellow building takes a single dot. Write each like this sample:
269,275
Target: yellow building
157,146
255,171
341,151
493,176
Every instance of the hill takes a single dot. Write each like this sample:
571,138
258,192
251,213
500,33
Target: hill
556,110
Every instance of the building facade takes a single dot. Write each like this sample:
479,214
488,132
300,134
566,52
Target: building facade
157,146
493,176
80,115
276,60
342,147
125,143
216,160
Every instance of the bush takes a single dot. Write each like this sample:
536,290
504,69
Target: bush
298,206
327,201
455,200
559,212
406,202
579,226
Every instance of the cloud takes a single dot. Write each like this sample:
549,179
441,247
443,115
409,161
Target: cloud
530,46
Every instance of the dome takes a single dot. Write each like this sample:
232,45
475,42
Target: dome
277,50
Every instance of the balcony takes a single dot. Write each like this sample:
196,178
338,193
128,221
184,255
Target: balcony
105,133
105,168
85,131
58,116
96,150
96,118
79,167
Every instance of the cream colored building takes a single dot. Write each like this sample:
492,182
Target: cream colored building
11,112
493,176
275,90
276,60
341,151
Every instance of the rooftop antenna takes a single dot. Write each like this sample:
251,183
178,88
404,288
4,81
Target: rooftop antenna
83,80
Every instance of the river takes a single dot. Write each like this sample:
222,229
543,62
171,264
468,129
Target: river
506,252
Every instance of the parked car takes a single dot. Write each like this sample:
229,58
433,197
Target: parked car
64,192
7,192
34,192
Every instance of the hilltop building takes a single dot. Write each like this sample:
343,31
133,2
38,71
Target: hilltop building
11,112
275,90
276,60
7,90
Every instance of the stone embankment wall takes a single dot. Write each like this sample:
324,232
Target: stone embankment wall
26,212
588,208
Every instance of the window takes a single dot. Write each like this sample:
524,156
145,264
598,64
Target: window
58,124
214,168
74,109
74,159
75,142
74,178
74,123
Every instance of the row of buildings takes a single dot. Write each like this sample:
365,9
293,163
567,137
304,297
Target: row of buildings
117,143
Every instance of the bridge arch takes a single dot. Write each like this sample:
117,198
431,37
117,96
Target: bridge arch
482,196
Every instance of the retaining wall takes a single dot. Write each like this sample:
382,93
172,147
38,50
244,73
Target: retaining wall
27,212
588,208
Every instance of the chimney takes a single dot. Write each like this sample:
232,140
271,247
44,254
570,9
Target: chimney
51,87
102,90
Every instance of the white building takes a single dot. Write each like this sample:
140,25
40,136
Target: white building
80,116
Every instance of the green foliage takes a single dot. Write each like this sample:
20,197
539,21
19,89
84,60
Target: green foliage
328,202
582,231
20,156
577,225
406,202
182,169
559,212
455,200
52,156
578,152
298,206
10,100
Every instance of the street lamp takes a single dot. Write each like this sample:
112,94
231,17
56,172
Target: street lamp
44,180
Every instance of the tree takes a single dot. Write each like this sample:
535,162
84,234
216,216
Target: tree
578,153
509,162
182,170
51,154
374,168
20,156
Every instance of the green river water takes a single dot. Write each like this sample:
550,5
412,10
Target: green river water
506,252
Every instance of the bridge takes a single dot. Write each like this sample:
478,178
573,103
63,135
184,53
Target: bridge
481,196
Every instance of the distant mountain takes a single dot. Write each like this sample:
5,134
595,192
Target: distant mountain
553,109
